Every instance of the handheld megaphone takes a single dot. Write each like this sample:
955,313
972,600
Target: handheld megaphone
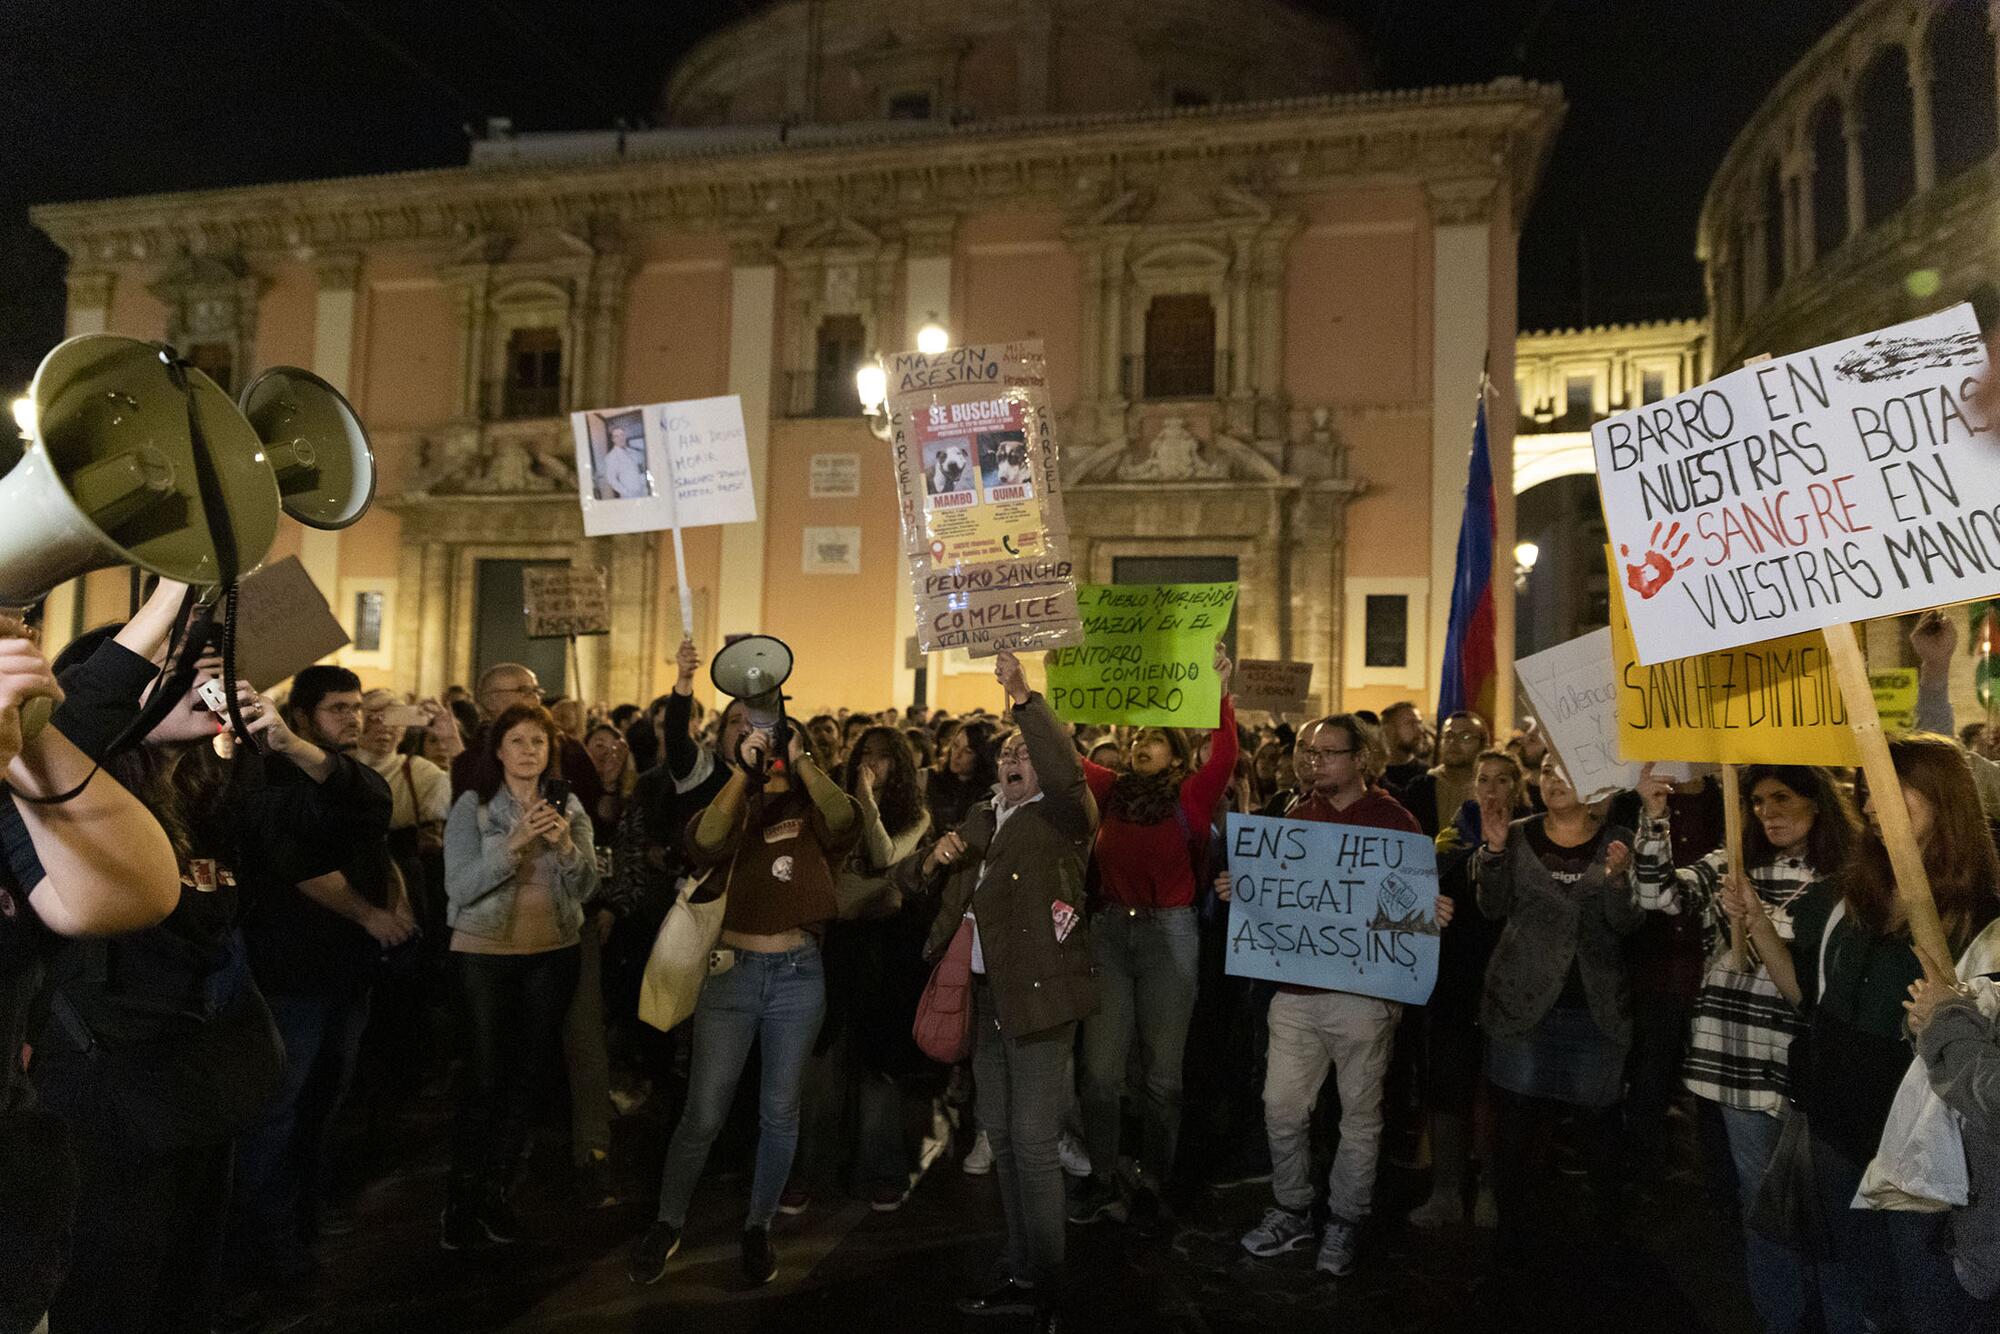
754,669
315,445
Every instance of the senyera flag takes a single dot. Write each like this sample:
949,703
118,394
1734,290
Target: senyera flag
1469,656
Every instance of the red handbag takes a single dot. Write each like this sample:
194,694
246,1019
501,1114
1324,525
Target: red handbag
943,1028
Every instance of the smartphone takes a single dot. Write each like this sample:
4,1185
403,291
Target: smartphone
404,715
556,791
213,695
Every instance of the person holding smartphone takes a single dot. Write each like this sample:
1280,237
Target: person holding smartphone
519,867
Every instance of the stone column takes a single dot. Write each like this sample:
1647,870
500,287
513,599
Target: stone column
753,307
926,291
432,613
1242,346
1267,333
1461,245
1111,333
1850,132
1923,152
1807,235
333,361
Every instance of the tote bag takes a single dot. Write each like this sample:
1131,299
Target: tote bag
678,963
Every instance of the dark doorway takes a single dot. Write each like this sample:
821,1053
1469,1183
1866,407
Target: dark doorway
501,634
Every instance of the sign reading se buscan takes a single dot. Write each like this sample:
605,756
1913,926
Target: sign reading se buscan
1850,481
1335,906
1147,657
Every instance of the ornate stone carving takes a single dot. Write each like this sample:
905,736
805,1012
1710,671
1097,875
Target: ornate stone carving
508,463
1461,201
1174,454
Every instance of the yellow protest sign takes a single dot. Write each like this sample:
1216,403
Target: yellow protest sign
1895,697
1147,656
1771,703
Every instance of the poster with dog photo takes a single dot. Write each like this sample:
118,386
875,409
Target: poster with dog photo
984,537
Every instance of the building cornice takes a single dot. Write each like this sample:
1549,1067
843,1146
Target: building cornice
1503,129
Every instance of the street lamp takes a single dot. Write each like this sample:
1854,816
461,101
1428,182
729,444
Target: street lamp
871,386
1525,556
932,338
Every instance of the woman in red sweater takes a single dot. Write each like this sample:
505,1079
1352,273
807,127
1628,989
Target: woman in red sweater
1155,821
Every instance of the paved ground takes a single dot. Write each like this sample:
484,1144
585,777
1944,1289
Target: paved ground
845,1268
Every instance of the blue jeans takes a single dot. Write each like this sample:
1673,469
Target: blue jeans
1146,969
1777,1277
777,1000
1023,1087
283,1167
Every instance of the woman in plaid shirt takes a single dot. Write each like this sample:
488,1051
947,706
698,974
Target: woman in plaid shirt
1801,829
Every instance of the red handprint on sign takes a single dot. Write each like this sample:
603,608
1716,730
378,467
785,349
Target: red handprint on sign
1657,570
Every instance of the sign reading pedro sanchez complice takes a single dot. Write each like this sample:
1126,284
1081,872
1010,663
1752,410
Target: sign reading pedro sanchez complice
1850,481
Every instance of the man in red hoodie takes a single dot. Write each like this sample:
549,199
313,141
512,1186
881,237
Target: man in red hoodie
1314,1030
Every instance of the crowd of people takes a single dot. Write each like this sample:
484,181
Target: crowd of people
204,939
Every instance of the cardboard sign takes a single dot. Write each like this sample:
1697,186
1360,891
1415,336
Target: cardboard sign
625,456
1831,486
1266,686
1573,692
1147,657
283,624
1895,697
1335,906
1776,702
978,480
562,601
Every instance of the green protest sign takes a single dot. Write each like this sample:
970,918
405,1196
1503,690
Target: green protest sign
1147,657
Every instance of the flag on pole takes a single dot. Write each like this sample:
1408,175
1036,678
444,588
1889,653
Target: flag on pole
1470,670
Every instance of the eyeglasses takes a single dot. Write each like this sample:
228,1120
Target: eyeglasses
1318,755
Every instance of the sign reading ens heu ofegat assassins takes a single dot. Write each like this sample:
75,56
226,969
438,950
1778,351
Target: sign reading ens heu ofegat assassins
981,505
1849,481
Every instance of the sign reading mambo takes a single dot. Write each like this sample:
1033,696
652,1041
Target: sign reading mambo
1264,686
1573,692
1774,702
624,457
1340,907
1147,657
562,601
1847,482
982,518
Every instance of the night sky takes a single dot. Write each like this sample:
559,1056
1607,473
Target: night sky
109,97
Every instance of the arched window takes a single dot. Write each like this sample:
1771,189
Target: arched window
1776,225
533,387
1888,162
1962,93
1829,183
1180,346
1748,298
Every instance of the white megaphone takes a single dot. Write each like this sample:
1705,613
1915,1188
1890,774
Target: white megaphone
754,669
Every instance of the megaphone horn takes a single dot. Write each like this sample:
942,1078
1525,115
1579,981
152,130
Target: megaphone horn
315,445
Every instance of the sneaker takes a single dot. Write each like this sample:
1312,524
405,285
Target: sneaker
795,1201
888,1199
595,1188
1337,1248
647,1260
1098,1199
1281,1231
458,1230
496,1219
1442,1209
760,1262
1008,1297
978,1162
1075,1158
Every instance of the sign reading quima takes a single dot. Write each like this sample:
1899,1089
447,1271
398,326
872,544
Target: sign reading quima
1846,482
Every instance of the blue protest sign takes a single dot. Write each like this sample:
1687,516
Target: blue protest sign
1341,907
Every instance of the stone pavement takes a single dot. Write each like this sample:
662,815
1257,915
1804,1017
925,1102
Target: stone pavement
844,1268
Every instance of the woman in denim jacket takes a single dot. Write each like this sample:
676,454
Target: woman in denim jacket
519,867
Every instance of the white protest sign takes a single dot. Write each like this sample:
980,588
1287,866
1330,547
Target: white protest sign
1834,485
1574,694
625,458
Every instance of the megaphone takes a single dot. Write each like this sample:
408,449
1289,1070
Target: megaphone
315,446
754,669
111,478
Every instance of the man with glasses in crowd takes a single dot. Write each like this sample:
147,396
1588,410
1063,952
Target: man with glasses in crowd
500,687
1313,1030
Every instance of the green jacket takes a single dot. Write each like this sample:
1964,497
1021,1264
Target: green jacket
1014,880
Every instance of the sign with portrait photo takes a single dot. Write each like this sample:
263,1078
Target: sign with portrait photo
626,456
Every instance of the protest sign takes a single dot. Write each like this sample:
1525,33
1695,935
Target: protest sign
833,476
978,479
1341,907
1573,693
1147,657
1264,686
283,624
1776,702
562,602
1822,488
625,458
1895,697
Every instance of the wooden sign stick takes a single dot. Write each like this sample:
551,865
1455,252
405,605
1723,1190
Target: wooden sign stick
1850,671
1732,841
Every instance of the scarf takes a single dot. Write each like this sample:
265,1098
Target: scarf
1144,799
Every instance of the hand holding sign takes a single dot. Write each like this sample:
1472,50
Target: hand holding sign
1007,670
1225,670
